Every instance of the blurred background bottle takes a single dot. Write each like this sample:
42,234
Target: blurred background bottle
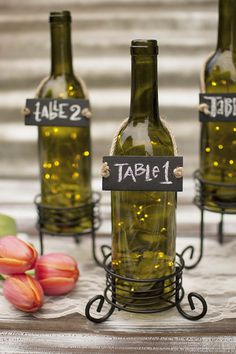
143,223
218,140
64,152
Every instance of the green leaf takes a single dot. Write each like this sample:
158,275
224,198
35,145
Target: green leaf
7,226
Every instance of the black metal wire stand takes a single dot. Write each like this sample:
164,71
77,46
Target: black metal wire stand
160,295
222,208
66,219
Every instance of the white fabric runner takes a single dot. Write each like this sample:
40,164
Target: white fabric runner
214,278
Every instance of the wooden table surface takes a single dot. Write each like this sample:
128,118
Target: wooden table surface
75,334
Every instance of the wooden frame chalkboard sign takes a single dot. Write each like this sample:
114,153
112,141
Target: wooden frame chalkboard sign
220,107
143,173
57,112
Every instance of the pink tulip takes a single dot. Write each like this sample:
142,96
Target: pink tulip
16,256
57,273
24,292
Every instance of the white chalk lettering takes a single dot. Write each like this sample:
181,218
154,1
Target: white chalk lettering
222,106
120,167
37,112
155,171
166,168
129,173
147,177
138,169
76,109
62,113
54,110
228,107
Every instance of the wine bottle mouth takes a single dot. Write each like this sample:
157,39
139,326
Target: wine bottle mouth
144,47
60,16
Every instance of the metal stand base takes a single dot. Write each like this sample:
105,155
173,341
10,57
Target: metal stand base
145,301
222,208
66,218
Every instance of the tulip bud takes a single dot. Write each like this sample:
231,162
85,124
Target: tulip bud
16,256
57,273
24,292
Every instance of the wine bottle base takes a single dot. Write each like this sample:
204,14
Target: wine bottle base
75,221
149,301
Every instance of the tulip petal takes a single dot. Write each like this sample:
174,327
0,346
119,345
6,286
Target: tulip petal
57,286
13,266
13,251
24,292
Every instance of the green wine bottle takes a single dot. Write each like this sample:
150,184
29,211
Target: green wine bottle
218,140
143,222
64,152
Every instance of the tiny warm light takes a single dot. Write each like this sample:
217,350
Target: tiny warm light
142,219
75,175
216,163
163,229
86,153
160,254
45,165
230,175
73,136
220,146
208,149
56,130
159,200
214,83
77,197
47,176
56,163
231,162
146,216
217,127
49,165
234,129
47,133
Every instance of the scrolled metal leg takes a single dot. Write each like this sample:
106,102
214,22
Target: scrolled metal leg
99,309
192,249
191,297
221,229
41,242
105,249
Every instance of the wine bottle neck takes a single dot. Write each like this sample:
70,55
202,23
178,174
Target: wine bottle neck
61,53
227,25
144,89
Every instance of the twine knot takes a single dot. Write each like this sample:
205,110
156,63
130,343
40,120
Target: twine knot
178,172
25,111
86,113
203,107
105,171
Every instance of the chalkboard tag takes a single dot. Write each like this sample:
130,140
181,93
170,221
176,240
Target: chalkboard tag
57,112
220,107
143,173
